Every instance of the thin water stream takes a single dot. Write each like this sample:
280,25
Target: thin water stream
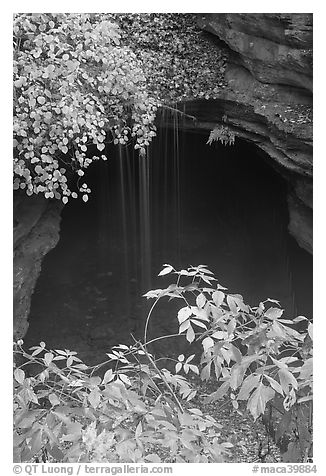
186,203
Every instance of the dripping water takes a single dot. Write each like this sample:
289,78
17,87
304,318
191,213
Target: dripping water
185,204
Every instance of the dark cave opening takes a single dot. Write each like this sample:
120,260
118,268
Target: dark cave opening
186,204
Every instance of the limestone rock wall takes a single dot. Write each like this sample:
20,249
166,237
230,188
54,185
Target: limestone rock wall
36,232
268,98
275,48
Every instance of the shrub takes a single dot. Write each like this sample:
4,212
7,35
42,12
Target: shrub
131,414
75,86
254,354
137,411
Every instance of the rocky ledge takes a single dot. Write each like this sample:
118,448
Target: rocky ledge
267,99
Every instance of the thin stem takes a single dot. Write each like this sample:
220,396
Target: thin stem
162,377
163,337
147,321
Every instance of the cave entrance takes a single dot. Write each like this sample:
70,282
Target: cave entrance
186,204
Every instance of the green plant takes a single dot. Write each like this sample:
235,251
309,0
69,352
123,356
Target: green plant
253,353
135,410
76,87
67,413
221,134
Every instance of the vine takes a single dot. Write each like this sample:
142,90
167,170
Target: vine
76,87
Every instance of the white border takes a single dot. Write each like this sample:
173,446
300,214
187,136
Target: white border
295,6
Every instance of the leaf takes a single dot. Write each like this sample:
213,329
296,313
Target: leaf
19,375
55,452
54,400
185,325
196,411
308,398
278,330
207,279
287,379
238,299
293,334
220,335
201,300
289,400
310,327
108,376
166,270
190,336
184,313
94,398
31,396
125,379
194,369
227,444
153,458
190,358
306,371
231,326
286,321
236,353
186,368
247,386
48,357
178,367
273,313
299,319
257,402
139,430
207,343
198,323
232,305
201,314
154,293
273,301
22,421
185,419
37,351
61,416
222,390
36,442
274,384
218,297
237,373
74,431
206,372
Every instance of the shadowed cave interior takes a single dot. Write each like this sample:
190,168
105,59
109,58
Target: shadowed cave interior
186,204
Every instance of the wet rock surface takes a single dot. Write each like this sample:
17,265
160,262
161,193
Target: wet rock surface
267,99
275,47
36,232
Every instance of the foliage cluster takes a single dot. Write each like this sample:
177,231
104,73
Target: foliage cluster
179,62
222,134
138,411
82,81
131,414
75,85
